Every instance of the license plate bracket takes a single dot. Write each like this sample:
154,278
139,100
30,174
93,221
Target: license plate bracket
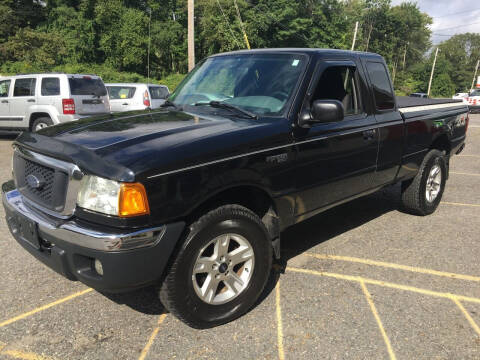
26,230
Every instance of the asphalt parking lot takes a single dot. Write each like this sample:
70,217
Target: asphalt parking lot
363,281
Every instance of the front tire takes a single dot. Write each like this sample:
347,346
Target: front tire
422,195
221,268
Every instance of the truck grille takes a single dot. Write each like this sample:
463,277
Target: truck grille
47,186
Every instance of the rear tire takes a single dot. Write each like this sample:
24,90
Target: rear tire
207,256
422,194
41,123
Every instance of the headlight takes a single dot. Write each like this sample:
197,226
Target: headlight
112,197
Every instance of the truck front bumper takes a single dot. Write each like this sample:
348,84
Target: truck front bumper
129,260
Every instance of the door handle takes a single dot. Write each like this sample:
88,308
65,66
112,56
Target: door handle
30,100
369,134
4,101
125,104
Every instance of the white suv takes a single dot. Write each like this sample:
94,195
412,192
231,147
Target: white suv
34,101
134,96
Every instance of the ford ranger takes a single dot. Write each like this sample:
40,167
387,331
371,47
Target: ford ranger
194,196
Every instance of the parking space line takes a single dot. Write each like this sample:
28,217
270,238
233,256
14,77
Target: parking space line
463,173
44,307
395,266
368,296
155,331
24,355
387,284
281,353
459,204
475,156
467,315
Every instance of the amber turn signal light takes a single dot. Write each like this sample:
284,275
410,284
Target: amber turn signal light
133,200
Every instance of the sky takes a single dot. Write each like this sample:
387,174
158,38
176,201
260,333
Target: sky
450,17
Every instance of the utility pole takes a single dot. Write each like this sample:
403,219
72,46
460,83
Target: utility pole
474,76
431,74
241,25
191,36
149,40
355,35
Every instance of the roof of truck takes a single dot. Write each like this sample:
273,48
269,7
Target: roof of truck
308,51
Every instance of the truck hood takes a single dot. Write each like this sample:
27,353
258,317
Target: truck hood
133,145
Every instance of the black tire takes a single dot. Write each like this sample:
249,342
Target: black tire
177,291
37,124
414,198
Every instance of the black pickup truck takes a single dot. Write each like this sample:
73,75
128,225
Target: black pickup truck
194,197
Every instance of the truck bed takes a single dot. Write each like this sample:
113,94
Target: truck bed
408,101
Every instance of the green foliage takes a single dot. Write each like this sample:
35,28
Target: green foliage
172,81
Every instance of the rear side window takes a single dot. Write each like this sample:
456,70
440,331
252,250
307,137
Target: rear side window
24,87
158,92
121,92
382,89
87,86
4,88
50,86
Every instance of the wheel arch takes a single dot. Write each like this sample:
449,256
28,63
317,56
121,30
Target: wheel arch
254,198
36,115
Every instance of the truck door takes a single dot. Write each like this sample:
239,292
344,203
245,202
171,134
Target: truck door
4,102
389,121
335,160
23,98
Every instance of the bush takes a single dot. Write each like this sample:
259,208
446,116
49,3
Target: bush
172,81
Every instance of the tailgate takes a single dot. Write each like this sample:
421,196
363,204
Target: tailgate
89,94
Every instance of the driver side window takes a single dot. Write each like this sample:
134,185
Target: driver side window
339,83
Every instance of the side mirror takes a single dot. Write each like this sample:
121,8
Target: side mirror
324,111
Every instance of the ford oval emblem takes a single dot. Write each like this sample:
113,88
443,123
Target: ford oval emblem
35,182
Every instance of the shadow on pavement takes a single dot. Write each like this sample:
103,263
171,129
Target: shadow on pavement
295,240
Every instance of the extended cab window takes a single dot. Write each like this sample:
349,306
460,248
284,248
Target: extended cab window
339,83
382,89
50,86
24,87
4,88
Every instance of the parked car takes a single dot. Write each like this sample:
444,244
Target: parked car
133,96
459,96
420,95
34,101
473,100
195,197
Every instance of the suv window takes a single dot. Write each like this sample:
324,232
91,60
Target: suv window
87,86
382,89
4,88
50,86
339,83
121,92
24,87
158,92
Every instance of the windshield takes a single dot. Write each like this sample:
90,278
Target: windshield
259,83
475,93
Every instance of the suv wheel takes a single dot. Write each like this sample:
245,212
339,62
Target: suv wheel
220,270
422,195
41,123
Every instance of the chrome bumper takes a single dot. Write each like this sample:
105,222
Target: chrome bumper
71,232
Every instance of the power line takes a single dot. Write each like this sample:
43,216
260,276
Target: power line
459,26
461,12
228,24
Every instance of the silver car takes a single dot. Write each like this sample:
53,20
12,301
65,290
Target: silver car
135,96
34,101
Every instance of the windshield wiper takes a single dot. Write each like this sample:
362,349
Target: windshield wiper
168,103
222,105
